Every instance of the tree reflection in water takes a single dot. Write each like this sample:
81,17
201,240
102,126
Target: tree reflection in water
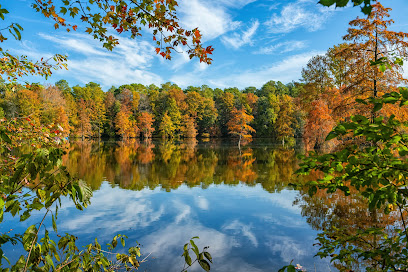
167,165
137,165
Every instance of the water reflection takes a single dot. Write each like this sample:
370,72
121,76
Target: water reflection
217,191
133,165
238,201
345,218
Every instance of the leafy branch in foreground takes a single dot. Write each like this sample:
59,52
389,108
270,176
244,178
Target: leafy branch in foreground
33,178
128,16
203,258
13,67
365,4
378,170
37,180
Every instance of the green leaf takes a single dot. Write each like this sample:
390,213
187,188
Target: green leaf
49,261
327,3
341,3
114,242
30,236
291,268
195,248
377,107
5,137
367,9
331,136
54,224
208,256
204,264
63,10
17,33
187,258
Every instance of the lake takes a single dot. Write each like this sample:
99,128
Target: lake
161,194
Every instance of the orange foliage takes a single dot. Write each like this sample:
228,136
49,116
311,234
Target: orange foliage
189,127
239,126
84,125
62,120
319,123
127,127
146,124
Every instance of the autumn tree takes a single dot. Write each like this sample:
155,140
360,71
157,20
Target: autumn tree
225,105
189,127
70,108
207,118
146,120
239,125
166,127
84,128
174,113
125,124
286,122
318,124
374,54
316,73
61,119
202,111
29,104
53,106
112,107
267,113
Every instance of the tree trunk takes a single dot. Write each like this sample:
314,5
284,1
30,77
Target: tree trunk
239,142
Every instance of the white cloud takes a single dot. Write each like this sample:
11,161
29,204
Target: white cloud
405,69
283,47
235,3
202,203
288,248
300,14
212,20
180,60
137,209
238,40
76,42
240,228
285,71
129,62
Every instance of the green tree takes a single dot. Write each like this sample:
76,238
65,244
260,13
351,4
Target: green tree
285,123
166,127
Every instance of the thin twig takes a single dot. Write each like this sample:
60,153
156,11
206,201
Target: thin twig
36,236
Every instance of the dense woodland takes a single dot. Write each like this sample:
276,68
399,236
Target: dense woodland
136,110
310,108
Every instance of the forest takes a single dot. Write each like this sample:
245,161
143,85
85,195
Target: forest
307,109
135,110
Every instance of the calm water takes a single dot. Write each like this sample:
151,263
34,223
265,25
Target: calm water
162,194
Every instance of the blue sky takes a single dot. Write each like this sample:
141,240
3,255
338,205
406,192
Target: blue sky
255,41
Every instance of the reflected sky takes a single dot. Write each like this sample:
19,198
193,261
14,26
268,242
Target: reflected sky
246,227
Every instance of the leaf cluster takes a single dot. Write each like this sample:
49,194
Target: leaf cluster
36,180
366,4
203,257
378,169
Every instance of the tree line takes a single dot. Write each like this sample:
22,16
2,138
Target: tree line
135,110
